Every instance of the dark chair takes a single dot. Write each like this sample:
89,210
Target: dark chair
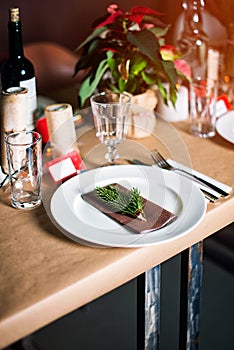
54,66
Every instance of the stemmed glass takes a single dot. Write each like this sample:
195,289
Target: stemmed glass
110,113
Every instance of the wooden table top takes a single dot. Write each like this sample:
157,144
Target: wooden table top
44,275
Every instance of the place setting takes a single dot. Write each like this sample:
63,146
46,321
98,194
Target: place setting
151,196
173,195
164,197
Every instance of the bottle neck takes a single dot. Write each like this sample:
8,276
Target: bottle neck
15,41
193,21
193,41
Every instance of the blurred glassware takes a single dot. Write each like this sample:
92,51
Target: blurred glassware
193,41
215,30
203,99
223,10
227,66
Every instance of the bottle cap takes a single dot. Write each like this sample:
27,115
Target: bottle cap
14,14
15,91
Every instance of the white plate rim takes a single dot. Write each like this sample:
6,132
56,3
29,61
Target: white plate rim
223,125
67,221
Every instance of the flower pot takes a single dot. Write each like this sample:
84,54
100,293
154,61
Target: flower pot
142,117
171,113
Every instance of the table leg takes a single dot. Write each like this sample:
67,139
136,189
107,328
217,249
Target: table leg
149,289
190,297
149,286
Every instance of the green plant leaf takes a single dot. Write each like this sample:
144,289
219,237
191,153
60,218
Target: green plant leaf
138,63
171,73
157,31
114,88
130,85
90,84
162,91
92,36
113,63
94,46
83,63
91,58
147,43
150,79
122,84
173,95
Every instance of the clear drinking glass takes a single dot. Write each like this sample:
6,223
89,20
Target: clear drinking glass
203,97
110,113
24,155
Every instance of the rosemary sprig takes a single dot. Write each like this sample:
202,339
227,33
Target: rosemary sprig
125,202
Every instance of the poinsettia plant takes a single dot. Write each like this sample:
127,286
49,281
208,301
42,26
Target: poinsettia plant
126,51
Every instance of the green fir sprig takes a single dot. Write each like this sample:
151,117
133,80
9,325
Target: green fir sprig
122,201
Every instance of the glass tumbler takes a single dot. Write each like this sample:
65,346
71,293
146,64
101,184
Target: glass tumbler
24,156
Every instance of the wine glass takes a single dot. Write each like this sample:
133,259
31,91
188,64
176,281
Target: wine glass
110,113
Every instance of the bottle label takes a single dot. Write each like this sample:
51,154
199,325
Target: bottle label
32,101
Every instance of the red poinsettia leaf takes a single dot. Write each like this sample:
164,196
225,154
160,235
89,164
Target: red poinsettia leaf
169,47
110,49
144,11
110,19
183,67
137,18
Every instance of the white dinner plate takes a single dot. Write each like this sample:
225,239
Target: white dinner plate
225,126
83,223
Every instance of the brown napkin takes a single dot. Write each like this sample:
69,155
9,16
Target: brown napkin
156,216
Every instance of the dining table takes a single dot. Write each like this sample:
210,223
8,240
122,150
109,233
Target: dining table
45,273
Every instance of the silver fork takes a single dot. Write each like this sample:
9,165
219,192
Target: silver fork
162,163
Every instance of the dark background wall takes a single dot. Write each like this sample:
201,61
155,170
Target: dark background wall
67,22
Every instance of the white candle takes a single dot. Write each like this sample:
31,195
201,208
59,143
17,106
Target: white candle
213,64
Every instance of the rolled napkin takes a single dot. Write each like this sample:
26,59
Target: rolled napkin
61,128
156,217
217,183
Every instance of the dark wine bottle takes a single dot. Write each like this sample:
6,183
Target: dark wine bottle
17,70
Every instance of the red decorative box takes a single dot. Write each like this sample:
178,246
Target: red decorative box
65,167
